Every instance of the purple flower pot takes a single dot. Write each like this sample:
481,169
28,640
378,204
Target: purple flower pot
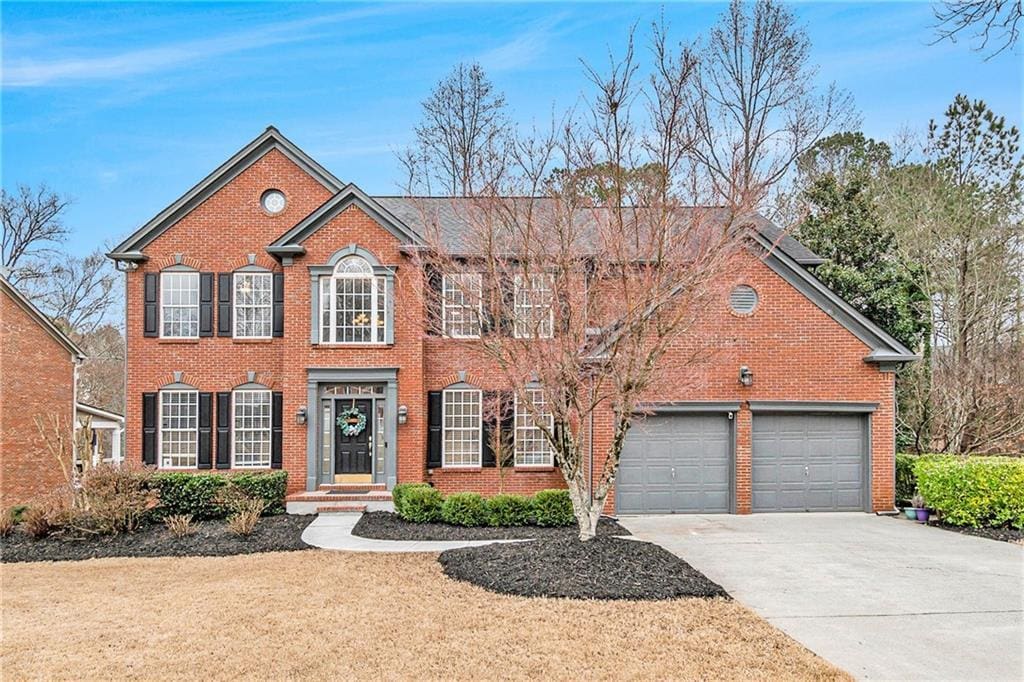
922,515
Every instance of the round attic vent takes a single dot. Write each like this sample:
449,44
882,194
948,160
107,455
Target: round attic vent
273,201
743,299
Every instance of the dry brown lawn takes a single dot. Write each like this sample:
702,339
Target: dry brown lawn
315,615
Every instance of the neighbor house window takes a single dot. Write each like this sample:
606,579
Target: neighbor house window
534,314
353,303
531,446
179,429
463,428
251,446
461,304
253,305
179,305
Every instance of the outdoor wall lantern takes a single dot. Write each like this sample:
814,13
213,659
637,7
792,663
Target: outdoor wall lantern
403,414
300,416
746,376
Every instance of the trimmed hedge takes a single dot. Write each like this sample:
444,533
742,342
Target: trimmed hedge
198,494
973,491
509,510
421,504
553,508
398,493
464,509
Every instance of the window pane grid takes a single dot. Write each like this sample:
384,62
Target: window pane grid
179,429
531,447
461,302
253,305
251,428
179,309
533,305
353,304
462,428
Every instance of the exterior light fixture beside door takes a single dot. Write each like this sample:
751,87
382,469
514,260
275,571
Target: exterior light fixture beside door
746,376
300,415
403,414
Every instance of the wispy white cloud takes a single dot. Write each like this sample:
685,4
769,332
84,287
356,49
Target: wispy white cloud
525,48
31,72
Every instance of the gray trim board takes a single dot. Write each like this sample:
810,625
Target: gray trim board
271,138
689,406
810,406
77,354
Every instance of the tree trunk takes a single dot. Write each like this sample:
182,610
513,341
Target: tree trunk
587,511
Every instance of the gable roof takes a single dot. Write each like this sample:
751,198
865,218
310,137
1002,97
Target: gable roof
271,138
290,243
42,319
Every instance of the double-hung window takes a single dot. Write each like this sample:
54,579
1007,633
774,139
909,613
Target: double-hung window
179,429
251,443
353,303
462,305
531,446
179,305
253,305
534,312
462,424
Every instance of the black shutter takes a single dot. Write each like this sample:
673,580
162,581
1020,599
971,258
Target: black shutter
225,291
149,406
206,304
507,307
278,304
276,428
151,317
224,430
435,323
434,407
205,430
490,424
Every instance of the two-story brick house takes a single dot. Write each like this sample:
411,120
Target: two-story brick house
275,320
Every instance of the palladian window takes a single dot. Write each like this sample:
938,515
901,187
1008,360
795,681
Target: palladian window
353,303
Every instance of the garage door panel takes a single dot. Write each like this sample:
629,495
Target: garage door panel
808,462
676,463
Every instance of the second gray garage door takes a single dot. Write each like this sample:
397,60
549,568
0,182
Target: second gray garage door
676,463
808,462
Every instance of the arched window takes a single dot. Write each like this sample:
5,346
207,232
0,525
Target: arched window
353,303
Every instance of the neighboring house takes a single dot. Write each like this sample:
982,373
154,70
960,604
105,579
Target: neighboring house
272,299
105,428
38,380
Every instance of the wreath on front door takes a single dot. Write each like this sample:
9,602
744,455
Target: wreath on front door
351,421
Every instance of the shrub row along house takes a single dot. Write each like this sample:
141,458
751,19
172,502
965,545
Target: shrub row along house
276,319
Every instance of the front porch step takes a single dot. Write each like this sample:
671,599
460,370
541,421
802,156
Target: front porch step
315,501
319,496
341,509
352,487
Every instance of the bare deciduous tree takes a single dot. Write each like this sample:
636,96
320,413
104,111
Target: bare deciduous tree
79,292
33,231
753,104
986,20
101,376
574,298
460,142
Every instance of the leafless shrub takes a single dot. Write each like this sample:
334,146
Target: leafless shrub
180,525
7,522
247,515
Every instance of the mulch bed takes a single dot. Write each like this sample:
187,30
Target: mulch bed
1001,534
602,568
384,525
212,538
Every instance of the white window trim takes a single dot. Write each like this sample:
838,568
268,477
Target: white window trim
445,305
517,285
270,429
234,305
163,276
515,440
444,429
330,307
160,429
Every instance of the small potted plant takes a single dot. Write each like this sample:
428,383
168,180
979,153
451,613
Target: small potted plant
910,512
919,509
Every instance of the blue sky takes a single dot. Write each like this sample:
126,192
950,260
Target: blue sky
125,106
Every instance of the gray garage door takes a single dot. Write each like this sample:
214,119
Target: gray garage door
808,462
675,463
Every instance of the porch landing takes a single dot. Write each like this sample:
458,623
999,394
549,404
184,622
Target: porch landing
341,498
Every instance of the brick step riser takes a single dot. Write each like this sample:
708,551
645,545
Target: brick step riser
338,497
356,487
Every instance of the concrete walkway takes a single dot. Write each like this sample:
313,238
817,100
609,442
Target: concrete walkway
881,598
334,531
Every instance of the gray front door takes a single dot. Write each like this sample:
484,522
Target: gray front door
676,463
808,462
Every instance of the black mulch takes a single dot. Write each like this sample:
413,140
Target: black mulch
384,525
1004,534
603,568
212,538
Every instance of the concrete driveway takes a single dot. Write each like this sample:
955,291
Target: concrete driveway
881,598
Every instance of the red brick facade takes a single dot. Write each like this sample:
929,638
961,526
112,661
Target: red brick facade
796,351
37,385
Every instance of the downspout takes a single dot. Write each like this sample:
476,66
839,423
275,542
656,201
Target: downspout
590,447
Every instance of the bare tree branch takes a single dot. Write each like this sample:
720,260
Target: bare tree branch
987,20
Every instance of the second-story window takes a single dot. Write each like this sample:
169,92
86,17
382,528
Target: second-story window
179,305
353,303
253,305
534,313
461,303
